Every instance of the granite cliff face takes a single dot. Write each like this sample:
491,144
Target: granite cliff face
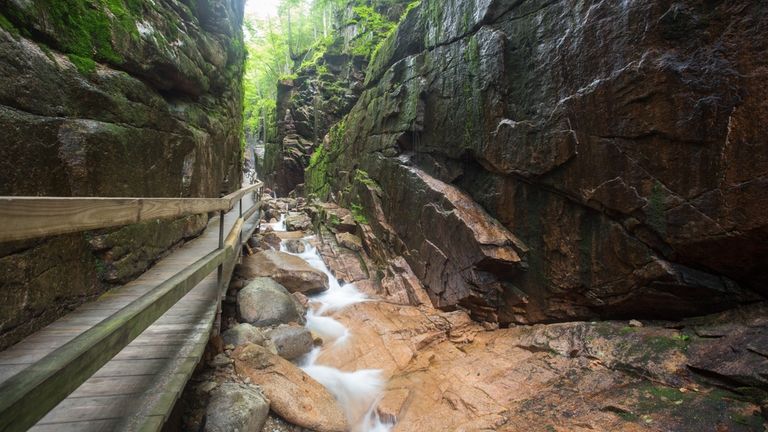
595,159
328,81
111,98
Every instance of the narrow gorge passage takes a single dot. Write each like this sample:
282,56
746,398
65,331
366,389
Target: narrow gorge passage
473,215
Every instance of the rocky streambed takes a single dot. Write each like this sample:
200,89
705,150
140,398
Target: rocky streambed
321,334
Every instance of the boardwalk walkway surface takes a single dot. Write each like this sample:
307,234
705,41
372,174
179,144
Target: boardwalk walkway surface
138,388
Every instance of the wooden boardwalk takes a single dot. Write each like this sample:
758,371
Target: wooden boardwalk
138,388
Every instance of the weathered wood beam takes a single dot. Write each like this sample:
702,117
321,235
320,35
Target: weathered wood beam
28,396
33,217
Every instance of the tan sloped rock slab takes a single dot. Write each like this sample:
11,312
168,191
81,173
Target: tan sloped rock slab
294,395
288,270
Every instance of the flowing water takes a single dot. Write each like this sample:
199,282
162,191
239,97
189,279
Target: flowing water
357,392
279,225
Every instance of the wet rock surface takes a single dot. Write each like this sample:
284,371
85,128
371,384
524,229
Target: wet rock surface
589,132
289,271
265,302
293,395
291,342
600,376
445,371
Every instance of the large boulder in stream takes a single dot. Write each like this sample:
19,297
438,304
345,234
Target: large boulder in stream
292,272
294,395
296,221
265,302
291,342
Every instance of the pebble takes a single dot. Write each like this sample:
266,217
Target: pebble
635,323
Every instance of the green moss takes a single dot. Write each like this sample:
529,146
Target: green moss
334,221
7,26
316,175
433,14
84,28
84,65
373,27
358,214
627,330
363,177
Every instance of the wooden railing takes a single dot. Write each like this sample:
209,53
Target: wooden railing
27,396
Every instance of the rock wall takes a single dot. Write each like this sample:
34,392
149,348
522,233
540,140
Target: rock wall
329,79
616,148
111,98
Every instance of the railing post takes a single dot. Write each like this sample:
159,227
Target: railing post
240,243
220,270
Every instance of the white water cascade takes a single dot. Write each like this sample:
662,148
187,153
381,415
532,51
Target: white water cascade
279,225
357,392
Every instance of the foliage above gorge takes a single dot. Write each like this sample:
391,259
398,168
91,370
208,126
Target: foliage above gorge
275,46
297,42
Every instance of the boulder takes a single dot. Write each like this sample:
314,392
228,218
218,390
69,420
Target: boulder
236,407
291,342
265,302
292,272
295,246
243,333
298,222
293,394
269,240
349,241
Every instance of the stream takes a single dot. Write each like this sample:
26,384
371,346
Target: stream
357,392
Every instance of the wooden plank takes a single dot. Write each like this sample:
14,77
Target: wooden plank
234,197
30,394
33,217
91,409
86,426
113,386
117,368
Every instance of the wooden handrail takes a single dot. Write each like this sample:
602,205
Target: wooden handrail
26,397
24,218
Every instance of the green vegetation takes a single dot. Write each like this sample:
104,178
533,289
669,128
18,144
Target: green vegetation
83,64
298,42
277,48
373,28
358,214
317,171
7,26
363,177
85,29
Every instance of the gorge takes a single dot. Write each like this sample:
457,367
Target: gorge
507,215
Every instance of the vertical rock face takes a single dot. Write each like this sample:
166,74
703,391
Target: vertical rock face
111,98
328,82
620,145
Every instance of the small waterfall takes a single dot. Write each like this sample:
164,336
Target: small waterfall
358,392
279,225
